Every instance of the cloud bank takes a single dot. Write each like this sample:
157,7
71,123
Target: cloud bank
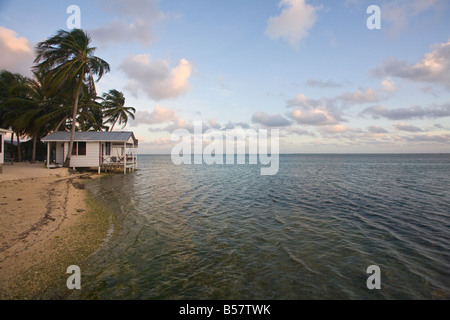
414,112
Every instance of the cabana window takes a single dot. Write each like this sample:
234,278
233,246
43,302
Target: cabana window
79,149
107,148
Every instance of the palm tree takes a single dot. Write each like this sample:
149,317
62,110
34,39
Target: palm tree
68,63
12,89
27,110
91,111
91,114
40,113
115,110
7,81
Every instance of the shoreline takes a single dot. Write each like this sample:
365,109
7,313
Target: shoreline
48,222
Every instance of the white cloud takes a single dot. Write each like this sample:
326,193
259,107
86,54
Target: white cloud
117,32
162,145
301,100
388,85
377,130
356,135
134,21
400,13
323,84
338,128
158,116
434,67
17,53
429,138
270,120
329,111
314,112
339,131
300,132
413,112
156,78
407,127
360,96
295,20
167,120
316,117
233,125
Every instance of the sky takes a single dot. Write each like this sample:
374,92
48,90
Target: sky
310,68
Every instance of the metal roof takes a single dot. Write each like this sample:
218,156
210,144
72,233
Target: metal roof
90,136
5,130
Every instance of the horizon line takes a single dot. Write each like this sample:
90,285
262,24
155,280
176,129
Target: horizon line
315,153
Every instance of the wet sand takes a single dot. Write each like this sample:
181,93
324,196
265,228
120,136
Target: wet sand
47,223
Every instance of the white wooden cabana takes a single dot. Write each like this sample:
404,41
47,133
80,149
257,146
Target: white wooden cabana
3,132
102,150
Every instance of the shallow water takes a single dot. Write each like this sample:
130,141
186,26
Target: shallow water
309,232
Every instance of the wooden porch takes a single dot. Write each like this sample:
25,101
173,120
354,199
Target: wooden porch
109,163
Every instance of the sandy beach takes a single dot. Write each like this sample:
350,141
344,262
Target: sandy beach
47,223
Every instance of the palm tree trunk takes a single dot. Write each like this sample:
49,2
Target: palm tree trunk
112,128
60,124
33,154
19,152
72,135
12,144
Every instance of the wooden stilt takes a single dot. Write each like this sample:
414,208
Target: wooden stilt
125,158
48,155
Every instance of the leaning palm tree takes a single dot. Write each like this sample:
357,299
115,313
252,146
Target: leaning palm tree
115,110
68,63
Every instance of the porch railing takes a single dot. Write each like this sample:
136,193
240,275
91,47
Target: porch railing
118,159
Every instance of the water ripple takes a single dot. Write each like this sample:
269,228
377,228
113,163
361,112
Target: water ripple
310,232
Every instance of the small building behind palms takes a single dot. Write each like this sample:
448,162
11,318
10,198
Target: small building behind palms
101,150
3,132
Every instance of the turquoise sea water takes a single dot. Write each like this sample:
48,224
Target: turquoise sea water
309,232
